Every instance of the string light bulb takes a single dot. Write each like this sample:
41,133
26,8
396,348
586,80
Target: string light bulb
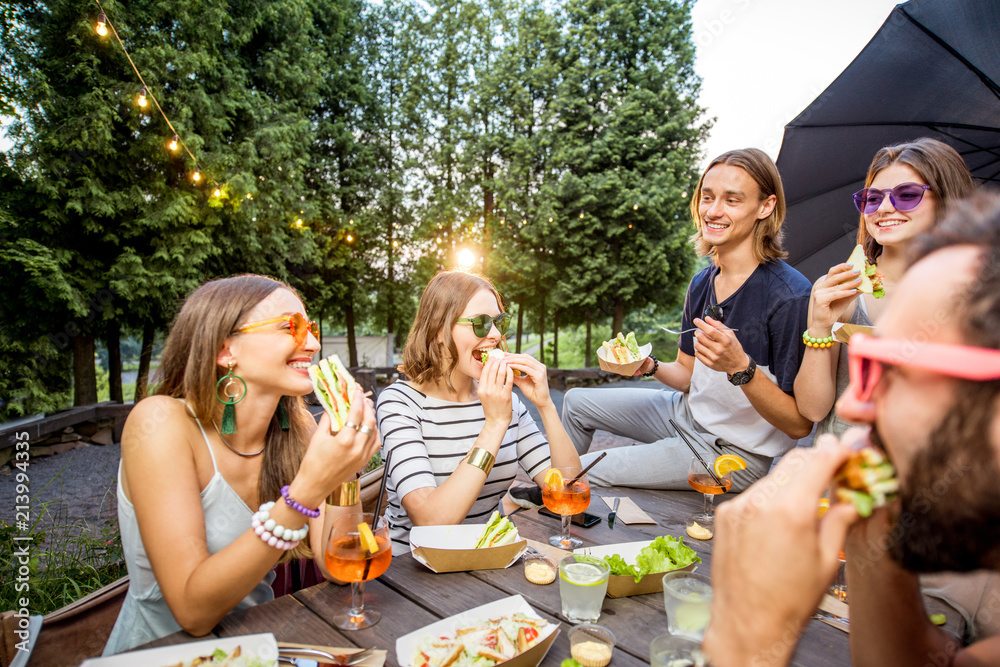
438,239
630,225
172,145
395,244
196,176
218,192
352,221
101,28
581,214
635,206
350,238
141,101
298,223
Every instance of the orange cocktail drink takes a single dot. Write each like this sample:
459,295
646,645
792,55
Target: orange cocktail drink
358,551
566,492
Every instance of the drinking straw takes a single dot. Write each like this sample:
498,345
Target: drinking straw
381,490
584,471
709,468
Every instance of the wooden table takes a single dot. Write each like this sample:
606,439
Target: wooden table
410,596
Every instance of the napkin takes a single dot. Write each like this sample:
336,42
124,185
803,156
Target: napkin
628,511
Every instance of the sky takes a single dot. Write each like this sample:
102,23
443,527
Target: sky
763,61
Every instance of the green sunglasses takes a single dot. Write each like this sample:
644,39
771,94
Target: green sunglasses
482,323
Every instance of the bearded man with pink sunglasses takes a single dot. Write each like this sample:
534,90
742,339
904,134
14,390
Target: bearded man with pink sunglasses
928,388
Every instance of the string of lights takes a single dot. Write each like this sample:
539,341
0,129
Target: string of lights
145,94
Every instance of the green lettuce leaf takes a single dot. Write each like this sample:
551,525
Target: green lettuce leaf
665,553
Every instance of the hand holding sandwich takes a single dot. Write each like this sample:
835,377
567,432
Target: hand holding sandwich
831,296
495,385
774,557
333,458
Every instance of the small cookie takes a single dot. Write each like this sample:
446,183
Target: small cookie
539,572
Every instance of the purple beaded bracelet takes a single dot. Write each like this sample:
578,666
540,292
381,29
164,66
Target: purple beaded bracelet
297,506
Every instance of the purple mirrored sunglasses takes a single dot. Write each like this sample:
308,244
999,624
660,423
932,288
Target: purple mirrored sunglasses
904,197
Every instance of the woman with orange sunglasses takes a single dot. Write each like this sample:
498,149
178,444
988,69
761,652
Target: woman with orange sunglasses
224,473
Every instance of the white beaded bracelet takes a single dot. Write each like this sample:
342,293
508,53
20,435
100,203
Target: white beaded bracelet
274,534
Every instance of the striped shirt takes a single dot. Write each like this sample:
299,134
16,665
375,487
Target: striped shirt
428,437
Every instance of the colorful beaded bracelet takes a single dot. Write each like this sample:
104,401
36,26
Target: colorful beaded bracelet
297,506
817,342
273,533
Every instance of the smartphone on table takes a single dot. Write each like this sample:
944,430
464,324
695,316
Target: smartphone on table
583,519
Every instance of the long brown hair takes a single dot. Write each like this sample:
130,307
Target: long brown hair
767,240
938,164
189,371
425,359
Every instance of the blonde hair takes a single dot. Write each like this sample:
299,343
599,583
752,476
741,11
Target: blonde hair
767,242
189,371
938,164
425,358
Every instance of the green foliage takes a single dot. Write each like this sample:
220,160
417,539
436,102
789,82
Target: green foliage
74,561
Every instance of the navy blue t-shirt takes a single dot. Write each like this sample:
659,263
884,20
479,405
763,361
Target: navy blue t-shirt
770,310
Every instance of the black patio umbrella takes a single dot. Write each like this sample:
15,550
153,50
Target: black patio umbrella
932,70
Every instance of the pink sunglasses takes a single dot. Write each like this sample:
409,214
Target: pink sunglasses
867,355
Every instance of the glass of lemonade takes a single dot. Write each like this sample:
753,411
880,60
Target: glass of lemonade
687,598
582,587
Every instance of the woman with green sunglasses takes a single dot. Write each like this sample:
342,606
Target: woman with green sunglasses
455,431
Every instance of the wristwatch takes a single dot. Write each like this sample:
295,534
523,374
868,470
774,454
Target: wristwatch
737,379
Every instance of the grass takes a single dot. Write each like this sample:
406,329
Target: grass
68,560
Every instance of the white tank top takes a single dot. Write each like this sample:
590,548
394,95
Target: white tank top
144,615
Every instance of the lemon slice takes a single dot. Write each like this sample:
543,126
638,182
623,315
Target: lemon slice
727,463
368,540
698,531
553,478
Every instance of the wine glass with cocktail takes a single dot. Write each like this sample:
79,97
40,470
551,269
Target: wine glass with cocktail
565,495
702,479
357,554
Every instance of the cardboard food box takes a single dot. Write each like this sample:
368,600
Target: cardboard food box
452,549
628,370
261,646
842,332
406,646
620,585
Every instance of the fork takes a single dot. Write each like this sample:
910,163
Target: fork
338,658
678,333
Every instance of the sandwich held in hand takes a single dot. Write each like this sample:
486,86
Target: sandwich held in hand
867,480
871,279
482,643
498,532
623,349
495,353
334,387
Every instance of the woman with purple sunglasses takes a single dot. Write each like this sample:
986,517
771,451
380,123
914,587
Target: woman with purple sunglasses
907,191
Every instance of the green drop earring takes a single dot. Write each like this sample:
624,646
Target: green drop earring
282,414
230,386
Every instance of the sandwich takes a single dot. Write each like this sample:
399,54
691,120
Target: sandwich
498,532
622,349
867,479
498,354
334,387
871,279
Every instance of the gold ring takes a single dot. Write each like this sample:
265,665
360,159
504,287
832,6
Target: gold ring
365,429
351,425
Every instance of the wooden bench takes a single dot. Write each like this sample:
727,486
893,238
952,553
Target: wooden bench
41,427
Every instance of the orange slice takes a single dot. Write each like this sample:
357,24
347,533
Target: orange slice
368,540
553,478
727,463
824,505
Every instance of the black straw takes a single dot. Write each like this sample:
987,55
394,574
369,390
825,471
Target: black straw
584,471
711,472
381,490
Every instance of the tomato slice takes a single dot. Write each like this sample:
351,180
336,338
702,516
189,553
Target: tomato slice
530,634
